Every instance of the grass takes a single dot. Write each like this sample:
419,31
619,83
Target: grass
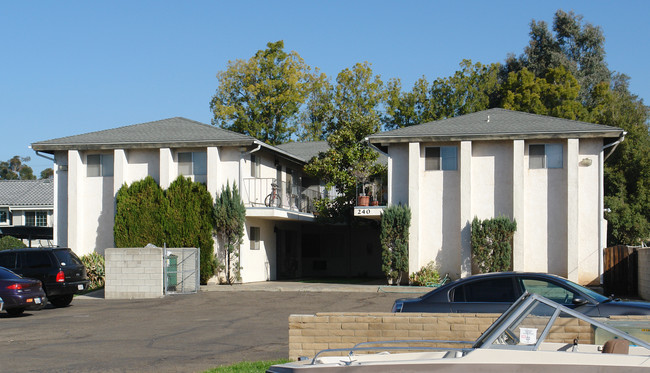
247,367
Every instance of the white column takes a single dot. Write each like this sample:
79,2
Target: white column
214,176
573,241
414,204
167,173
120,168
76,172
465,208
518,204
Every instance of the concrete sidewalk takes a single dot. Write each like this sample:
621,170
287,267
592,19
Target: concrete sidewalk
298,286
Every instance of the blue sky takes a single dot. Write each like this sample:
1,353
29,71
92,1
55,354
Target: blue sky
74,67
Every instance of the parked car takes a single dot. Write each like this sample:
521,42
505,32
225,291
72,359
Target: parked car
20,294
495,292
59,269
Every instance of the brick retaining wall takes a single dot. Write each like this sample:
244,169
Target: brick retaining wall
309,334
134,273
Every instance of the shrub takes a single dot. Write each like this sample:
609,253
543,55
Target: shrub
94,264
229,221
491,243
427,275
139,214
394,238
9,242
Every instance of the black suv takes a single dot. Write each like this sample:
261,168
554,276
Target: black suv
59,269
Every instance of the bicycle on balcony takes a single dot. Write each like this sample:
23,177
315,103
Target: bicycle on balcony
273,199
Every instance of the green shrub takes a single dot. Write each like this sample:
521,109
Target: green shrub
94,264
9,242
229,222
139,214
426,276
491,243
394,238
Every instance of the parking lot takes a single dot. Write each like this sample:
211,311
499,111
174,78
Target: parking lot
183,333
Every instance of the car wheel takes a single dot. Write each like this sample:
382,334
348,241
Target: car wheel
15,311
61,301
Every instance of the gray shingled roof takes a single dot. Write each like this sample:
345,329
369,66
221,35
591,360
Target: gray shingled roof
496,124
27,193
162,133
305,150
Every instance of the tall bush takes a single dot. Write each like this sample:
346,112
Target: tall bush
188,221
139,214
229,221
492,243
394,237
10,242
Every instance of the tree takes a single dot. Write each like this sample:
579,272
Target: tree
492,243
229,221
394,238
188,221
16,169
354,115
555,95
473,88
139,214
262,96
47,173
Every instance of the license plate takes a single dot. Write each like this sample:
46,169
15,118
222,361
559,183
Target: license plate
37,300
80,287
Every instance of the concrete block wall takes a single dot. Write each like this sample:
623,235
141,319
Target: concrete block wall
133,273
309,334
644,273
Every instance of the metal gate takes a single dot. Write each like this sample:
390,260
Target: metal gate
181,270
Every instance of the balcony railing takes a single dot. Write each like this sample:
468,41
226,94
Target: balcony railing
266,192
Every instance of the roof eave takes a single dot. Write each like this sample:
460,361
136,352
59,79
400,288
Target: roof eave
50,148
383,140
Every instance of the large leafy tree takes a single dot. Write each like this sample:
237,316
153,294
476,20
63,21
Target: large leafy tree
354,115
16,169
262,96
229,222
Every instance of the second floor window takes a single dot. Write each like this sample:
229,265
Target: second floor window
545,156
440,158
192,163
36,218
99,165
255,166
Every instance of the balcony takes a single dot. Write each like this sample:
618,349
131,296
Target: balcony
371,199
265,198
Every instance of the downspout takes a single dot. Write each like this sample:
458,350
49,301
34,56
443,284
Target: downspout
601,203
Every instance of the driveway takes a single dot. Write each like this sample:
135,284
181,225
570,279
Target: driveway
182,333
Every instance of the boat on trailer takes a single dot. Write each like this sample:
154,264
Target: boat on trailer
518,341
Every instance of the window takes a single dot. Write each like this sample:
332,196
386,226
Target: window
36,218
549,290
193,163
255,166
8,260
441,158
99,165
4,216
492,290
545,156
37,259
254,237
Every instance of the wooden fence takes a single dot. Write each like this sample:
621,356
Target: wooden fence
621,271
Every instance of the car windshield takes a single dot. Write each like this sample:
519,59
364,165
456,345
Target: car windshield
8,275
67,257
598,297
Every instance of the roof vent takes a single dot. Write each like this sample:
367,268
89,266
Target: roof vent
488,120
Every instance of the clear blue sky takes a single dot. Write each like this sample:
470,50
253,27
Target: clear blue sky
72,67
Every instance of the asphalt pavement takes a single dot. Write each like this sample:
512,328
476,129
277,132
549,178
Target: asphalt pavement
220,325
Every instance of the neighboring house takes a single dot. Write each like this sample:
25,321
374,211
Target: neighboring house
26,208
545,172
281,241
